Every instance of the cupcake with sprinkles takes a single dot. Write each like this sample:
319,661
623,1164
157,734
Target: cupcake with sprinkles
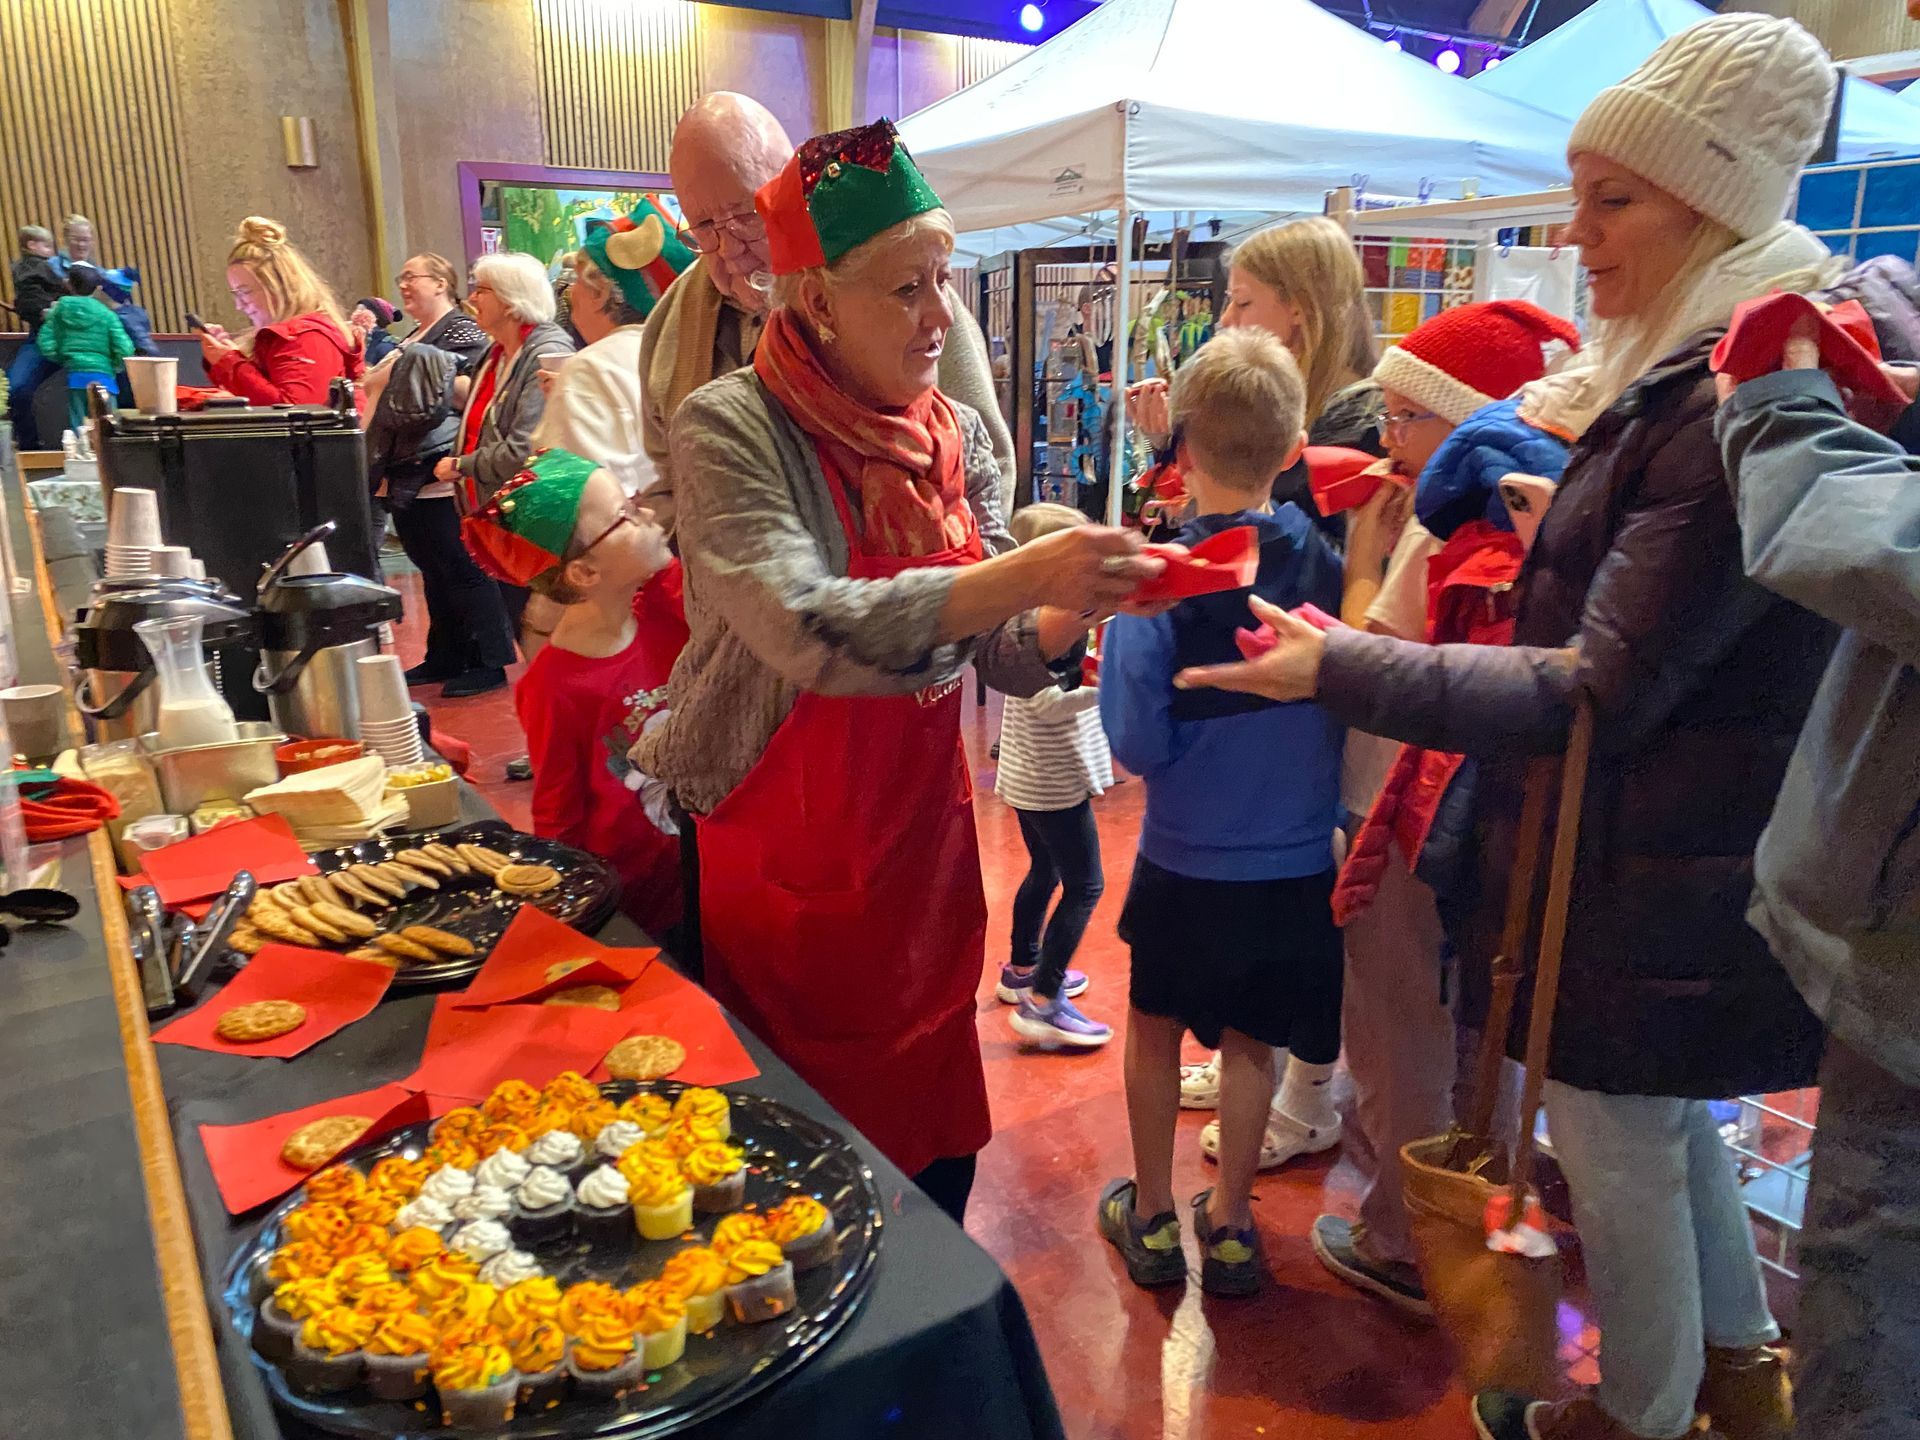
651,1112
474,1374
659,1319
397,1353
602,1356
699,1277
803,1229
709,1107
413,1248
759,1282
539,1349
718,1174
328,1355
289,1307
662,1202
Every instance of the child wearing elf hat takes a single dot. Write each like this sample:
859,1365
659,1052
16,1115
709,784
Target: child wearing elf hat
566,528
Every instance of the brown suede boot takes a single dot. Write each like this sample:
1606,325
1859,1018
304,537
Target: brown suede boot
1747,1394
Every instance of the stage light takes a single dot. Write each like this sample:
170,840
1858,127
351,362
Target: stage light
1031,18
1493,62
1395,45
1448,60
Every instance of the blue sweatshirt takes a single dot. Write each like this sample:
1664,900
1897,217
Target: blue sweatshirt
1238,788
1830,519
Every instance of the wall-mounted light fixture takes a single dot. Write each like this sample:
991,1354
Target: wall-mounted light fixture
296,138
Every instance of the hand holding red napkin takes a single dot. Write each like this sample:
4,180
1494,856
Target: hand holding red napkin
1255,643
539,955
1343,479
245,1159
1227,561
1756,341
334,990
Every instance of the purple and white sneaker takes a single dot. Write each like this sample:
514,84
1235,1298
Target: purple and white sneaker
1058,1024
1017,985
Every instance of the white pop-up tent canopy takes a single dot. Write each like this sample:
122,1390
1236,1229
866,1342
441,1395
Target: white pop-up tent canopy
1602,45
1242,105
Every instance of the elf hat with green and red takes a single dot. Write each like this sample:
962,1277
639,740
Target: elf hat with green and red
642,253
839,191
527,527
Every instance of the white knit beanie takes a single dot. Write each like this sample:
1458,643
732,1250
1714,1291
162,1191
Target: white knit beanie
1722,116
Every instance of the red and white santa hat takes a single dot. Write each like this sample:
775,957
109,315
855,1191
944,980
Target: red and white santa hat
1473,355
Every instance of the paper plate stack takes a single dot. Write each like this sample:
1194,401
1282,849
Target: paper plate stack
334,805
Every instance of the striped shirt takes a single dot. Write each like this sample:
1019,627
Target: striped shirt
1053,753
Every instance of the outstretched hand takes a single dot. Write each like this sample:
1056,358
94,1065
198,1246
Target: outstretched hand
1289,671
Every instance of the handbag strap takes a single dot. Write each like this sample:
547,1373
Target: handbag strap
1553,934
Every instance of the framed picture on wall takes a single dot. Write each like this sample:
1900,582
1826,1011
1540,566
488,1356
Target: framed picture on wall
543,210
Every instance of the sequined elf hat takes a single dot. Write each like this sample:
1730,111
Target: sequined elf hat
837,192
528,524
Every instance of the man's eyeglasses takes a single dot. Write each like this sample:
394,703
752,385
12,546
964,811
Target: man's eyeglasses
1391,420
704,238
634,512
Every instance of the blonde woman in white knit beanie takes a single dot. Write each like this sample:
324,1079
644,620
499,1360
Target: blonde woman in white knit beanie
1634,598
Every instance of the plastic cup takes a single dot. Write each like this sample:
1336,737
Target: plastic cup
170,560
383,690
126,561
133,519
36,720
156,382
310,561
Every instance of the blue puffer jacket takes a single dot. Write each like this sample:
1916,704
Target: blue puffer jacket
1462,480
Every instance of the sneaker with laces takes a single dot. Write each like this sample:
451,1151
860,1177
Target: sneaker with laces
1229,1257
1150,1249
1016,984
1058,1023
1286,1139
1200,1084
1341,1246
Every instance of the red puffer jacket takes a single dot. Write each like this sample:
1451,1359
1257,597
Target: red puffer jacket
1469,602
293,363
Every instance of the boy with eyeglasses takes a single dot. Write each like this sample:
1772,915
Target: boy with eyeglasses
566,528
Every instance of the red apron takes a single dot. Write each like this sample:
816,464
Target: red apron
841,907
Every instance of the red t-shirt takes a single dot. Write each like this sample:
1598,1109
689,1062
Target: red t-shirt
581,714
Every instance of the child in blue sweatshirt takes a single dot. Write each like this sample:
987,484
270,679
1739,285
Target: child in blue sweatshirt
1228,915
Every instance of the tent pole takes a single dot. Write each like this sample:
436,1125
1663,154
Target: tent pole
1122,318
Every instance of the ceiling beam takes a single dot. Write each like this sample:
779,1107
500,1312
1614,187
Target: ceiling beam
1497,17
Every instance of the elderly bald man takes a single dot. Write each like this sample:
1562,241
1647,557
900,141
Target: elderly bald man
725,148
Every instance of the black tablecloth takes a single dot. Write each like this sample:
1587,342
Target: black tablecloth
941,1347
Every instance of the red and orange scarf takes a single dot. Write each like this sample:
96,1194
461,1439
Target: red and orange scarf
904,473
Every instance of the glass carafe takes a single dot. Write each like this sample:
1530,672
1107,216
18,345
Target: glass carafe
191,710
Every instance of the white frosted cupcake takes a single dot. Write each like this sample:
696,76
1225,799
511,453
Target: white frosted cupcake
448,1184
602,1205
487,1202
481,1240
423,1211
510,1267
543,1205
557,1150
503,1169
615,1139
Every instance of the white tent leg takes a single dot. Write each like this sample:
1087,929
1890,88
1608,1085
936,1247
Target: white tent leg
1122,319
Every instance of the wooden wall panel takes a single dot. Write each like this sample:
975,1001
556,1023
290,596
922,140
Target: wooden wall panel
615,76
1848,28
88,124
977,59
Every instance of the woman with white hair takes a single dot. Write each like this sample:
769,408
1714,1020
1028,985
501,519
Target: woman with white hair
513,302
846,559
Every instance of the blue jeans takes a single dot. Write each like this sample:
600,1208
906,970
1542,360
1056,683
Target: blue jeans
1063,848
24,374
1671,1264
1857,1351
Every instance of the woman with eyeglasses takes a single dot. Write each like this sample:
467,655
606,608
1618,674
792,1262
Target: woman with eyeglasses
300,341
513,303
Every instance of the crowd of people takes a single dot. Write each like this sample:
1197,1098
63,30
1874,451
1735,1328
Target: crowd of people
747,516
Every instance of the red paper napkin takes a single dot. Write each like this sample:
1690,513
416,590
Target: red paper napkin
1343,479
245,1159
205,865
1756,340
661,1002
1255,643
533,943
1231,560
468,1052
335,990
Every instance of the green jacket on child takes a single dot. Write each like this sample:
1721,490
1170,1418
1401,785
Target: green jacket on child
85,336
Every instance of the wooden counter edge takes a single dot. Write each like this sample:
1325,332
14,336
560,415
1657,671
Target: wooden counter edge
203,1400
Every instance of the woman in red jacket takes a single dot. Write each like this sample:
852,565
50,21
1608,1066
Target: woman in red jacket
300,339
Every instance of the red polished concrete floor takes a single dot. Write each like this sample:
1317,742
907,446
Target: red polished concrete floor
1309,1359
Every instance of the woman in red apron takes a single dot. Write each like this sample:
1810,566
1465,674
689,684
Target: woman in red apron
846,558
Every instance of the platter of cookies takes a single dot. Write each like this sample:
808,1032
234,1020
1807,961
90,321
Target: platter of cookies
430,905
623,1260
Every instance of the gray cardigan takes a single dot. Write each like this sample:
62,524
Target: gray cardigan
506,430
769,608
1830,519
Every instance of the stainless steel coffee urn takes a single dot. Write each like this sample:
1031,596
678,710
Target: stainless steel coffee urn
114,675
313,627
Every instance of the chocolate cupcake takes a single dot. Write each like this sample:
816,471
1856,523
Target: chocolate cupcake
503,1169
283,1312
543,1207
327,1355
759,1282
397,1355
603,1359
718,1175
560,1150
478,1385
803,1229
481,1240
539,1350
602,1210
487,1202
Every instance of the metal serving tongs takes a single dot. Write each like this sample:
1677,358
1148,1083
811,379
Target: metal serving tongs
203,942
146,937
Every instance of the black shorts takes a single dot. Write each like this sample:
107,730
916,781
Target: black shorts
1259,956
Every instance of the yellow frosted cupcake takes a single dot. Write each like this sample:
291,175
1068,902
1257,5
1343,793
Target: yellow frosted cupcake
474,1374
398,1175
302,1260
699,1277
759,1282
602,1357
441,1276
327,1357
718,1174
649,1111
397,1355
413,1248
707,1106
536,1299
322,1223
539,1349
738,1229
803,1228
510,1100
662,1203
659,1317
286,1310
355,1273
335,1185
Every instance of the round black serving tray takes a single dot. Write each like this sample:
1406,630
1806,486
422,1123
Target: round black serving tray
469,906
787,1154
